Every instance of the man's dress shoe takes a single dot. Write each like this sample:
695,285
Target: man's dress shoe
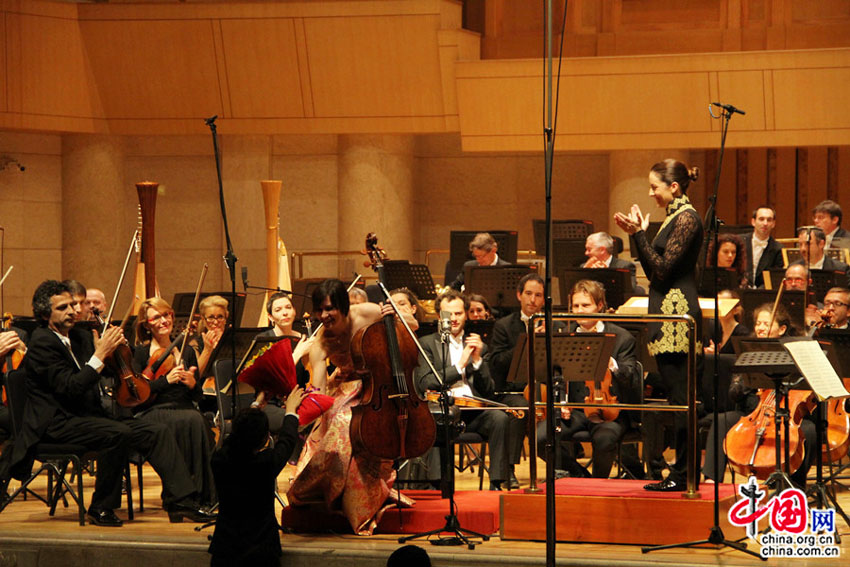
667,485
188,510
106,518
513,483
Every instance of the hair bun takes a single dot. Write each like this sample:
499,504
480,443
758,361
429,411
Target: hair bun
693,173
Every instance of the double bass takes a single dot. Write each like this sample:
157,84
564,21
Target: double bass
391,421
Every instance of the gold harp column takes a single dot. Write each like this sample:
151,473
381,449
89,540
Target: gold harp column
376,194
271,204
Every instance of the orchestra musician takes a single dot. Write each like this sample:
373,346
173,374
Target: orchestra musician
731,254
357,295
506,333
835,304
282,314
214,314
78,292
479,308
599,249
63,366
467,374
670,264
485,250
330,469
827,216
177,392
588,296
96,299
813,253
746,400
763,251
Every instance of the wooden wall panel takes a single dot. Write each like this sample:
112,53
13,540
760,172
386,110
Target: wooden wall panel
154,69
817,175
379,66
784,179
756,180
50,68
812,98
746,89
4,77
262,74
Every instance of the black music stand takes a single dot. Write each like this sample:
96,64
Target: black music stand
727,278
415,277
774,369
576,357
496,283
616,281
459,241
823,280
568,253
571,229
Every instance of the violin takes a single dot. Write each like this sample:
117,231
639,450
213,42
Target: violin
132,389
750,445
600,393
391,421
13,357
474,402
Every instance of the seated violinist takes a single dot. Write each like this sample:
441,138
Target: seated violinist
63,366
467,374
746,401
588,296
175,390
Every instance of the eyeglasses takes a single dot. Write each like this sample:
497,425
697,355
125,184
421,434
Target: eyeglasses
834,304
159,317
211,318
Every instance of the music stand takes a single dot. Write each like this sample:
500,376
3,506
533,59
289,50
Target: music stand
727,278
840,338
617,283
243,339
572,229
577,357
568,253
496,283
823,280
415,277
774,369
459,241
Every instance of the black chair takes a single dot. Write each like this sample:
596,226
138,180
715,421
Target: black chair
55,458
466,443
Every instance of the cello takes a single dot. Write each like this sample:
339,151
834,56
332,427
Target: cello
391,421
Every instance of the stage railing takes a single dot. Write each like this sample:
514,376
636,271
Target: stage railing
691,491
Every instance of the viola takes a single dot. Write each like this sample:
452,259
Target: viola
14,357
391,421
750,445
539,411
473,402
600,393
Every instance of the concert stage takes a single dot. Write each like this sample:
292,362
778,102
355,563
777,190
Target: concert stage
30,538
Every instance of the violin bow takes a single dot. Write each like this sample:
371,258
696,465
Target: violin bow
194,308
121,281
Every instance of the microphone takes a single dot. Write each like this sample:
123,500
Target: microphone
245,278
728,108
445,325
210,121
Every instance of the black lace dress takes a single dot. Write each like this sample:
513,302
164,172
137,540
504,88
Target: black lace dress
670,264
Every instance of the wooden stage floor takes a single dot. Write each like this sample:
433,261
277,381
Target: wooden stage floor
30,538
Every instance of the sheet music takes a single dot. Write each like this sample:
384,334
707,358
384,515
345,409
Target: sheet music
815,367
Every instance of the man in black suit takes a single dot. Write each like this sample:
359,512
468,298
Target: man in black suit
63,365
827,216
812,243
466,374
485,250
588,296
763,251
599,249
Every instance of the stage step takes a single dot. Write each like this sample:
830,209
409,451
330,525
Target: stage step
616,511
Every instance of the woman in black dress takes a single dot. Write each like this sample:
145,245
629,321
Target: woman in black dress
669,262
177,394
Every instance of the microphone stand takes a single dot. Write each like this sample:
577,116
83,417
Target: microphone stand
230,260
712,224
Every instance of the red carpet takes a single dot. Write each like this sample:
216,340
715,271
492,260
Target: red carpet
477,511
614,487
